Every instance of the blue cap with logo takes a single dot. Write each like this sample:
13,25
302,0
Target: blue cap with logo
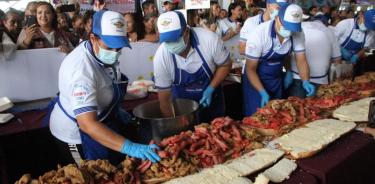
280,2
370,19
110,26
291,17
171,26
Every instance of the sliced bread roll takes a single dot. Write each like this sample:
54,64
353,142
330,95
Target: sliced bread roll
281,170
356,111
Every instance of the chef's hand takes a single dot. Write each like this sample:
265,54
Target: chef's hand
288,79
354,59
141,151
207,96
345,54
265,98
309,88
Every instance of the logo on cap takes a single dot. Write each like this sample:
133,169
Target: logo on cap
118,23
296,15
165,22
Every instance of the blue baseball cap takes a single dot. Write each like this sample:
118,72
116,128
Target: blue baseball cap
171,26
291,17
110,26
370,19
280,2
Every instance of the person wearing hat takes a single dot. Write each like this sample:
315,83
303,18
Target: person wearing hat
322,50
87,118
190,63
169,5
271,12
355,35
266,48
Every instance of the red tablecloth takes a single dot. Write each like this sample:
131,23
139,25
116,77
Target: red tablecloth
351,159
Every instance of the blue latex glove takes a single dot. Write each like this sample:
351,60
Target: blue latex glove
354,59
141,151
207,96
288,79
345,54
310,89
265,98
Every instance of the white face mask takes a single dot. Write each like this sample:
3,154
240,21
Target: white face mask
176,47
362,27
273,14
107,56
284,32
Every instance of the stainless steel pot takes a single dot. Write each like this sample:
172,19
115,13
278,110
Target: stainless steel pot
152,124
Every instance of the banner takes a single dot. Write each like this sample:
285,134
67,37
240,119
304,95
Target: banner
33,74
136,63
30,74
197,4
122,6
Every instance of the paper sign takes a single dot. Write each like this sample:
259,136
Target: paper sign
197,4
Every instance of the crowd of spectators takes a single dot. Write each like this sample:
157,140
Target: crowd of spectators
53,27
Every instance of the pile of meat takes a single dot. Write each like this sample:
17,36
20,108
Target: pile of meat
181,155
289,113
285,113
211,144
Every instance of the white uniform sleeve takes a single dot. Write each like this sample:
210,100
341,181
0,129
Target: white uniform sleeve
369,42
83,96
298,42
244,33
224,27
219,52
340,30
336,52
162,73
254,47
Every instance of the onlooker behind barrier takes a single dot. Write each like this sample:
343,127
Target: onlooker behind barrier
148,31
44,33
149,7
223,14
7,43
87,23
30,10
134,25
231,26
62,22
169,5
77,30
10,23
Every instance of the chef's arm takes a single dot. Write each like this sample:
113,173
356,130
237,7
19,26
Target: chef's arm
241,47
220,74
166,106
89,124
302,66
252,76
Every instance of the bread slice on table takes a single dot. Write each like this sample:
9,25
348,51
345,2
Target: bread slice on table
281,170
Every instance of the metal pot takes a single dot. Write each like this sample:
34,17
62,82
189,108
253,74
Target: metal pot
152,124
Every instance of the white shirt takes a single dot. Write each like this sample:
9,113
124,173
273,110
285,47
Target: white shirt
211,47
226,25
321,47
259,42
343,29
49,36
249,26
85,86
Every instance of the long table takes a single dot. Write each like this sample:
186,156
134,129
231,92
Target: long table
28,147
